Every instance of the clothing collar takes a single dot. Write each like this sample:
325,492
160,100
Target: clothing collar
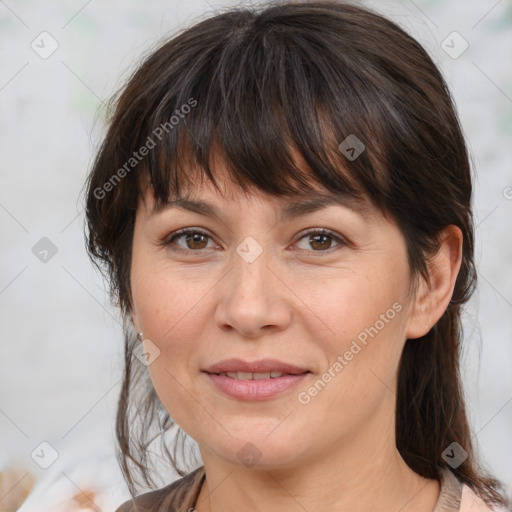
450,495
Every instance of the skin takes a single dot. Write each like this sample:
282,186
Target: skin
303,302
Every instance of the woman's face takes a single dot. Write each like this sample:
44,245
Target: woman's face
250,284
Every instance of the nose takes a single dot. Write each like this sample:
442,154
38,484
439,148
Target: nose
253,297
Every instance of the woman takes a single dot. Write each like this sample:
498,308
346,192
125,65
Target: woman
282,206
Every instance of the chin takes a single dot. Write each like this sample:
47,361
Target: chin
257,452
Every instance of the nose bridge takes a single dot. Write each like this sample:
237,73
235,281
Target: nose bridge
250,299
250,262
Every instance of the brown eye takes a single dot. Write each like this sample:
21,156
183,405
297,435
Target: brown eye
194,240
321,240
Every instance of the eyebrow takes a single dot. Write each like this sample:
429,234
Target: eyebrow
313,203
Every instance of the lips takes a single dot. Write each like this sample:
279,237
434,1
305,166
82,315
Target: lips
252,376
257,370
258,380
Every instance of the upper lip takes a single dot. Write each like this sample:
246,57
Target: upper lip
262,366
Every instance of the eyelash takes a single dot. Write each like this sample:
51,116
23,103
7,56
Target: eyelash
314,231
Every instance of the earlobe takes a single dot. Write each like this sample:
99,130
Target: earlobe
433,297
419,320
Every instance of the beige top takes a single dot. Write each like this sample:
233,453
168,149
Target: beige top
453,497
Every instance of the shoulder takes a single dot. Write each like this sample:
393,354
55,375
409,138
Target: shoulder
470,502
179,495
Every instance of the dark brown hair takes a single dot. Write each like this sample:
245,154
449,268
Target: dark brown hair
260,83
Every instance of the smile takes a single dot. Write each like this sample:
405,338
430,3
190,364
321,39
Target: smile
254,386
252,376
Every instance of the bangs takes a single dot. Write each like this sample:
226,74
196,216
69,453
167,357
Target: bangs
271,103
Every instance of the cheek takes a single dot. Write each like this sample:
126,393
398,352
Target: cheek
361,332
172,307
168,303
170,312
360,370
354,306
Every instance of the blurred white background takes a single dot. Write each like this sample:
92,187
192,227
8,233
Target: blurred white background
61,343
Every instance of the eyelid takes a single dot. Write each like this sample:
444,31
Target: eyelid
322,231
341,241
167,240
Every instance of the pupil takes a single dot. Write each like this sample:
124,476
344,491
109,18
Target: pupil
316,237
196,238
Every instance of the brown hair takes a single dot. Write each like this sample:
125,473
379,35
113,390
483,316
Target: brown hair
260,83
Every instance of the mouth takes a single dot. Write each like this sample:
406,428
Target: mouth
254,376
262,369
260,380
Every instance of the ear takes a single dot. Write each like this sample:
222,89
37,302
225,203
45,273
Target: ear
432,297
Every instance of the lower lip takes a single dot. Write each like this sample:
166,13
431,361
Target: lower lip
255,389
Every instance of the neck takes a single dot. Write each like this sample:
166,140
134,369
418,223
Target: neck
360,476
